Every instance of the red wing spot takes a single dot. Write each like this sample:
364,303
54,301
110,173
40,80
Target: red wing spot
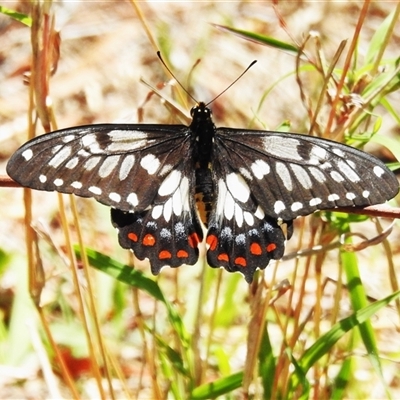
193,240
182,254
132,236
271,247
223,257
212,241
164,254
149,240
241,261
255,249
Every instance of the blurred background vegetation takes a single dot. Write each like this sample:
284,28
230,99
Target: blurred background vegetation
323,325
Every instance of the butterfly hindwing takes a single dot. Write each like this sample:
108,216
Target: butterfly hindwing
168,233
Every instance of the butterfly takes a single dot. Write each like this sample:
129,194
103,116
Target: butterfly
248,184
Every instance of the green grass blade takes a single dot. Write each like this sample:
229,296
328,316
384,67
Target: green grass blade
258,38
323,345
23,18
218,388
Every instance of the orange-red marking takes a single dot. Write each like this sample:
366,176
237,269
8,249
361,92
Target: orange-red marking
241,261
223,257
271,247
212,241
193,240
255,249
182,254
164,254
132,236
149,240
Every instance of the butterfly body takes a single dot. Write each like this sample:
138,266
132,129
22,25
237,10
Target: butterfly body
248,183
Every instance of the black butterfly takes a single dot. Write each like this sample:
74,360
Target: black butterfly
248,183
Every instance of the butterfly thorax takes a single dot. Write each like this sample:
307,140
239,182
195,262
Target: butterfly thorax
203,130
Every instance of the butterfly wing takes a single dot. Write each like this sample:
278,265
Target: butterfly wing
120,165
168,234
292,175
264,180
145,172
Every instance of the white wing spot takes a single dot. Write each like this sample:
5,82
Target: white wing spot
336,176
302,176
238,215
378,171
150,163
156,211
132,199
177,203
333,197
27,154
260,168
95,190
315,201
317,174
91,163
90,142
351,163
338,152
43,178
127,163
222,192
326,165
229,207
76,185
165,169
248,217
296,206
115,197
108,166
350,196
366,193
58,182
246,173
167,212
284,174
60,157
317,154
282,147
348,172
184,190
259,213
170,183
126,140
279,206
238,187
72,163
68,138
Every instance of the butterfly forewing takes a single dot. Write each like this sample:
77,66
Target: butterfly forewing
291,175
119,165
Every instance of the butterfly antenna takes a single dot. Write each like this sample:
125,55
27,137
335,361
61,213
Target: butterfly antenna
171,73
215,98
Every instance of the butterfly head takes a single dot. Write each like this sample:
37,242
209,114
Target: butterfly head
202,118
